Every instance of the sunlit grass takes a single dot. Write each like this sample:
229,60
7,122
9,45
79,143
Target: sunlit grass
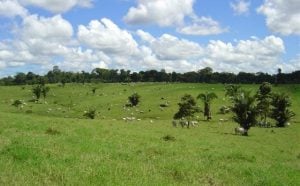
52,143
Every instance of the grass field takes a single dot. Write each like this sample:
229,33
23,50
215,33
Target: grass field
51,143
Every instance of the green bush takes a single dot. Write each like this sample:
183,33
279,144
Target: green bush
280,111
134,99
17,103
91,113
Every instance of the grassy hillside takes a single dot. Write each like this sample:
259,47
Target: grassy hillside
51,143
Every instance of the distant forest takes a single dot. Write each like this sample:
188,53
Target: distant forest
205,75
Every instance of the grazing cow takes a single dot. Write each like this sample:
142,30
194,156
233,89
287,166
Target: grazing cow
184,123
193,123
241,131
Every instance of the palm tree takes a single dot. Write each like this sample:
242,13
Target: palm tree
207,99
244,110
263,97
280,111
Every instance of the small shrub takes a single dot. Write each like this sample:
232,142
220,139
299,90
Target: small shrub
94,90
91,114
39,90
28,111
52,131
169,138
17,103
164,105
134,99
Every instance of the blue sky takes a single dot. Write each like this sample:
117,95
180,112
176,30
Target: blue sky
176,35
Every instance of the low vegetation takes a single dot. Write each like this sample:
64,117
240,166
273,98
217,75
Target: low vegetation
134,99
91,113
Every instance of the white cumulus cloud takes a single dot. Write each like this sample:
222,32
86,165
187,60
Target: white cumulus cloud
240,7
57,6
38,40
104,35
174,13
11,8
169,47
202,26
48,41
46,35
161,12
282,16
246,55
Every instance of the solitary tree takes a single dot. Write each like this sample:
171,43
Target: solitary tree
280,111
187,108
134,99
207,99
263,97
244,110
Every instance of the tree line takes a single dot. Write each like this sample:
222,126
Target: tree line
97,75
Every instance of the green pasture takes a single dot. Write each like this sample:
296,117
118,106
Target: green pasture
52,143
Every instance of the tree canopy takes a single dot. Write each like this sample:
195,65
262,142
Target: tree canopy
205,75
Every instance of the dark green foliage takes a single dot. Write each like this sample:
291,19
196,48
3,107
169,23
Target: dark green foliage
207,99
280,109
52,131
232,91
91,113
45,91
205,75
28,111
17,103
187,107
169,138
164,104
63,82
263,97
244,110
37,91
134,99
94,90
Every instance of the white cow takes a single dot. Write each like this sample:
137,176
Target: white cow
241,131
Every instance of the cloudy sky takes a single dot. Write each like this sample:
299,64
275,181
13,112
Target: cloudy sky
176,35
